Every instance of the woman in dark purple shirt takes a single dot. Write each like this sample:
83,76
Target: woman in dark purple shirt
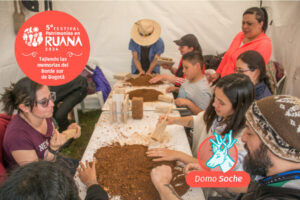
31,136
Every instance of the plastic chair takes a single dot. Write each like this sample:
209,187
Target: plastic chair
95,99
280,84
277,76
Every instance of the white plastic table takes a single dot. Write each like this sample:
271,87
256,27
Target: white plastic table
106,133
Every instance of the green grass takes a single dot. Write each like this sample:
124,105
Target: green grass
87,121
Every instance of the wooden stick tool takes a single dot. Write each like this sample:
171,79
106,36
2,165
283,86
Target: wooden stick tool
160,127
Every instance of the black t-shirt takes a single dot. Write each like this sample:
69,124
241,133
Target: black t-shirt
179,72
145,58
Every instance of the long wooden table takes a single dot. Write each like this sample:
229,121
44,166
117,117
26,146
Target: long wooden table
106,133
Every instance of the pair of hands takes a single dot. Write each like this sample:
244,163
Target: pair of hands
162,175
143,73
59,139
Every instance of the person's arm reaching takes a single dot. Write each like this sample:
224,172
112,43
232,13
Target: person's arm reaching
161,177
188,103
163,77
87,175
152,64
137,63
183,121
163,154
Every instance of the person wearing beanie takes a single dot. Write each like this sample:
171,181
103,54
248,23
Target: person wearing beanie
145,45
272,139
186,44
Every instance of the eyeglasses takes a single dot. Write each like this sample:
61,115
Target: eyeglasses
237,70
45,102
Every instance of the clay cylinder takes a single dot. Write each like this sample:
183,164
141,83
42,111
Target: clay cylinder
137,107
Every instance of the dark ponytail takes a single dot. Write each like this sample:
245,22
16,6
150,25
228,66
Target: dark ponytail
22,92
8,100
261,15
265,26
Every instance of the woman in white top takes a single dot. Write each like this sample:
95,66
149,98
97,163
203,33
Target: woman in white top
233,95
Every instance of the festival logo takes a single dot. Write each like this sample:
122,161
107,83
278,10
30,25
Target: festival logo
32,36
218,157
52,48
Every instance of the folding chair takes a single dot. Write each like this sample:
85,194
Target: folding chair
277,76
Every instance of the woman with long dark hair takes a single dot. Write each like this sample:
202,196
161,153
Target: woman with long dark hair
226,112
233,95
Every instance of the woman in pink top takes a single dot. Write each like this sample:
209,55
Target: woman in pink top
252,37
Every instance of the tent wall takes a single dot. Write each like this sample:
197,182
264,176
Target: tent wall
285,36
215,23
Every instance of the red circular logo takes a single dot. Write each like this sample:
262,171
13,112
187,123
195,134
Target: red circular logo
52,48
205,153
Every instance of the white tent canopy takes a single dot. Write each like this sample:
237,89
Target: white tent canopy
215,23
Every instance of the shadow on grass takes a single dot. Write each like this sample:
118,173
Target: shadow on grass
87,121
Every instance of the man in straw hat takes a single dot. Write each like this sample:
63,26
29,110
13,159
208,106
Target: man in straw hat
272,139
145,45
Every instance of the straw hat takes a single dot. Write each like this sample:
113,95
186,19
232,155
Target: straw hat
145,32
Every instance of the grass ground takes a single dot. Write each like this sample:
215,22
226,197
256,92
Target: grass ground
87,122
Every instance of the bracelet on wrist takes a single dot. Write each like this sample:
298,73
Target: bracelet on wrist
52,151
